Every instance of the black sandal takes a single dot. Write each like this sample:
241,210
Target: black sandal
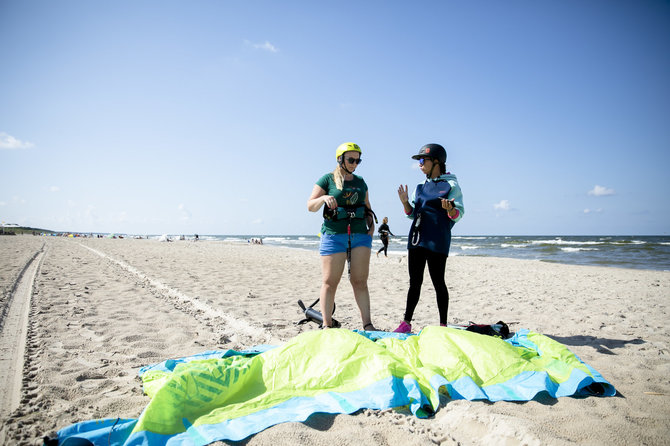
369,324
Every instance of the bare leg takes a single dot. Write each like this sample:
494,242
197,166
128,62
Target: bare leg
331,271
360,269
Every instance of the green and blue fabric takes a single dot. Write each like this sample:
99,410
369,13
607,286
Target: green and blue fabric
231,395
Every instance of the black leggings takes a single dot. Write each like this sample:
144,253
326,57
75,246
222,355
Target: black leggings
385,241
437,262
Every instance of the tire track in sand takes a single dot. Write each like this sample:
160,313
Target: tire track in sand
13,335
231,326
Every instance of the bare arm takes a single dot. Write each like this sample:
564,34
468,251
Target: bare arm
318,198
372,223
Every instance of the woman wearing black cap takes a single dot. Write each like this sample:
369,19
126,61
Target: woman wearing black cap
434,207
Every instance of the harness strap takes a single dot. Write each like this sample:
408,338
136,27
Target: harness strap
344,213
416,237
349,251
361,212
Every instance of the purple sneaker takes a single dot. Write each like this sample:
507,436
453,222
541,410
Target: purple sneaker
403,328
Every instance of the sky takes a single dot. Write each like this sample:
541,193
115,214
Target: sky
217,117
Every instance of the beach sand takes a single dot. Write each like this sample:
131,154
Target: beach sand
94,311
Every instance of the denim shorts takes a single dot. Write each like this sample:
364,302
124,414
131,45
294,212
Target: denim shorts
334,243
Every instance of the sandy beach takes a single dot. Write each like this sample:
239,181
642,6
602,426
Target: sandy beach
81,316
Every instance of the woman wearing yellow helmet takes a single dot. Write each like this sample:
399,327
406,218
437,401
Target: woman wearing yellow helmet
346,233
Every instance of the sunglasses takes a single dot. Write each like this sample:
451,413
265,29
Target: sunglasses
423,160
351,160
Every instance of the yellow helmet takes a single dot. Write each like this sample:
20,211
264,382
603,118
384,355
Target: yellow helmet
347,147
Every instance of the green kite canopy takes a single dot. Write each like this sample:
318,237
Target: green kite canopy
229,395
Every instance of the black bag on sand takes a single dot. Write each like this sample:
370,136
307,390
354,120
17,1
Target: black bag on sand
499,329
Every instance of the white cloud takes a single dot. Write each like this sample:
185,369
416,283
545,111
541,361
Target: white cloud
3,203
601,191
588,211
266,46
258,221
10,143
54,189
502,206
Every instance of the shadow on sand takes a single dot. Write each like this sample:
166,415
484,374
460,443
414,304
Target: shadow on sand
602,345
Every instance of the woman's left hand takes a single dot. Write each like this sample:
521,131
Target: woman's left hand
449,206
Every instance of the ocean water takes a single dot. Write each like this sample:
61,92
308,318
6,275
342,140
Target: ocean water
641,252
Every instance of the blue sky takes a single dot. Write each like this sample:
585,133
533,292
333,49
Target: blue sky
217,117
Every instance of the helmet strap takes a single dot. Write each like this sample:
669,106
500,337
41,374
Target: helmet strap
429,175
342,165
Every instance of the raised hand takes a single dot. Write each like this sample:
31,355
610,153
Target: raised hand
403,194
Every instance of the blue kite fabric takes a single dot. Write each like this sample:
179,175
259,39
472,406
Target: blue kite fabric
230,395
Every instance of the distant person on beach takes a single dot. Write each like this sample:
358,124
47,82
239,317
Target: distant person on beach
434,207
384,232
344,197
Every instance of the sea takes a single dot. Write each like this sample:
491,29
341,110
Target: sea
639,252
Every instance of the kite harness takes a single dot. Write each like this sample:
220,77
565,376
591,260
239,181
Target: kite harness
350,213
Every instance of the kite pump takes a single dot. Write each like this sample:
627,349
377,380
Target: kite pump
315,316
